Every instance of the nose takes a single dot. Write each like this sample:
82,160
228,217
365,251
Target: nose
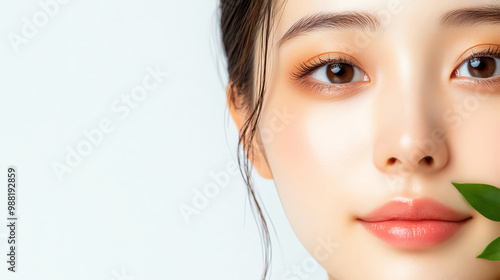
410,137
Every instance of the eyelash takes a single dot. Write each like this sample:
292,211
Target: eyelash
495,52
305,69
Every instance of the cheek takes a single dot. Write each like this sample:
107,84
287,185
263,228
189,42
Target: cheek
316,146
315,158
477,145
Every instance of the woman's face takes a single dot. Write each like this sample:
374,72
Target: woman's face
384,101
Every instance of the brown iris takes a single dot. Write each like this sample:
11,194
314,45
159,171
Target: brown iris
482,67
339,73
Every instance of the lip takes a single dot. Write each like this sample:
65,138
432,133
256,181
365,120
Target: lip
414,223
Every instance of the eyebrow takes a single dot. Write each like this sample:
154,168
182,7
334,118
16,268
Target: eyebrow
471,16
335,21
362,20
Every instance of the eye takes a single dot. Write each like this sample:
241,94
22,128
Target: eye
479,67
339,73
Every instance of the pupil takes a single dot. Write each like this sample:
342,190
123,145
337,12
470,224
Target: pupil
338,70
482,67
340,73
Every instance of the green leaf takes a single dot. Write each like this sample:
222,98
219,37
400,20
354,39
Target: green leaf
484,198
492,251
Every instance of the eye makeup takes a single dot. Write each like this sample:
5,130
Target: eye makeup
333,63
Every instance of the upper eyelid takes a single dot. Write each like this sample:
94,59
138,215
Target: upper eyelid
339,56
470,53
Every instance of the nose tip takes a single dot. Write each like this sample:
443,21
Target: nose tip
410,155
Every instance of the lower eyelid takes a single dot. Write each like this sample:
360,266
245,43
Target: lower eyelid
324,90
474,83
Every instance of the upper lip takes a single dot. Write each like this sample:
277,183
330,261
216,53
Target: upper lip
413,210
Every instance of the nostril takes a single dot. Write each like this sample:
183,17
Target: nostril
391,161
429,160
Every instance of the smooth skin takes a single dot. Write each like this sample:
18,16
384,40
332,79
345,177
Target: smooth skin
338,151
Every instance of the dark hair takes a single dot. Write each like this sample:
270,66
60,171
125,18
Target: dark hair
241,22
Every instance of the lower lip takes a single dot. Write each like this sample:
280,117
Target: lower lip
418,234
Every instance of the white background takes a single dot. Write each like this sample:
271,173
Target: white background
116,214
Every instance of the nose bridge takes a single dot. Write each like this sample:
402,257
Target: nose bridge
409,136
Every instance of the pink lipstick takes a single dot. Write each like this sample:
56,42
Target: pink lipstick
414,223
